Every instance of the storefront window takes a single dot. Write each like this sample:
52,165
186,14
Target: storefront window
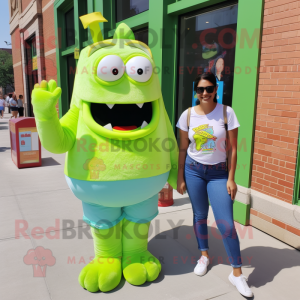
70,28
142,35
207,44
33,47
129,8
84,11
71,65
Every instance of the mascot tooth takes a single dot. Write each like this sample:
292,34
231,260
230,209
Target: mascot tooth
120,151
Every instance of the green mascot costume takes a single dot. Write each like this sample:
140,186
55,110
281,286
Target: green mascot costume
121,150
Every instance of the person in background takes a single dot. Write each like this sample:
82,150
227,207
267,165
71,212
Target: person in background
2,106
13,106
7,98
21,106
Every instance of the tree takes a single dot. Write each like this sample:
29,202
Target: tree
6,70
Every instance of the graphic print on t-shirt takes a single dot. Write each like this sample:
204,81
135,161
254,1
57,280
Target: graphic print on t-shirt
204,138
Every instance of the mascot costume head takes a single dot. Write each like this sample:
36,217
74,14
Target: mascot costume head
120,147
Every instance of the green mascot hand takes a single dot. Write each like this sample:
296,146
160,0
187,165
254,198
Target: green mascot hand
44,99
57,136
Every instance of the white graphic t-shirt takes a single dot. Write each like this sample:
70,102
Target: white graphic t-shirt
207,134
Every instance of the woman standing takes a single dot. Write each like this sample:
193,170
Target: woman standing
13,106
204,174
2,106
21,106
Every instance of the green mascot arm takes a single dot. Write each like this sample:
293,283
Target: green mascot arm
172,180
57,136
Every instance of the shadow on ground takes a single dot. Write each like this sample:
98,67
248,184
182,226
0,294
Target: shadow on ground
3,126
3,149
178,252
49,161
181,201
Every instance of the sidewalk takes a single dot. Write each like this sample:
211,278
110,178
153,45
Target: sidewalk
41,198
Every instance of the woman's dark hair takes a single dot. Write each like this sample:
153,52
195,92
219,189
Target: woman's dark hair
10,95
205,76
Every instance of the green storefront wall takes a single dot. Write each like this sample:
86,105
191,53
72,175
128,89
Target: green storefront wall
162,20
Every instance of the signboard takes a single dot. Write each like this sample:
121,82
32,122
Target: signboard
76,53
34,63
28,145
25,143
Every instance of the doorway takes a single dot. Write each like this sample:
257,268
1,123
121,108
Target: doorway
31,71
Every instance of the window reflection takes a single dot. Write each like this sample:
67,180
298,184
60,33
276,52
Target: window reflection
129,8
207,44
70,28
142,35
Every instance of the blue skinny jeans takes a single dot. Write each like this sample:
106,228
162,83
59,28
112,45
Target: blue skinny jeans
209,181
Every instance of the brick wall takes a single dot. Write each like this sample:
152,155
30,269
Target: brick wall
45,2
49,28
16,46
278,103
18,76
25,3
51,69
17,57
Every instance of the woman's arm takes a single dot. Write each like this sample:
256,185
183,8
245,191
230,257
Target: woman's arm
232,158
184,144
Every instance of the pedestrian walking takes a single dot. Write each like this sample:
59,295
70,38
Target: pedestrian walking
7,98
207,131
13,103
2,106
21,106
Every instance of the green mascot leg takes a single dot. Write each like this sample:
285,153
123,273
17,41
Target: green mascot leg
138,264
104,271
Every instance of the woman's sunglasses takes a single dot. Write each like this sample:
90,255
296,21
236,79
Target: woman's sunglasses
209,89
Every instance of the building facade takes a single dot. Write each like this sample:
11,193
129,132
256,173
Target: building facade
33,45
253,48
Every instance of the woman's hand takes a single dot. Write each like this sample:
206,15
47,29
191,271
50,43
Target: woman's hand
181,187
231,188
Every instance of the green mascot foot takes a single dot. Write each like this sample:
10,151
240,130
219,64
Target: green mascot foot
138,264
104,272
141,267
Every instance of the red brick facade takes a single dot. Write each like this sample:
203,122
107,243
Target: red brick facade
17,62
48,29
278,102
16,46
25,3
50,64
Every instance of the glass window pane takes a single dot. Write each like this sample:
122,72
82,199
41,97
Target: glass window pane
71,65
84,11
142,35
129,8
207,44
70,28
33,46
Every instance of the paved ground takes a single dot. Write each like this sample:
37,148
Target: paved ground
39,197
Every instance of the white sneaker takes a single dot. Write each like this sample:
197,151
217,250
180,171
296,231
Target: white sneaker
201,267
241,284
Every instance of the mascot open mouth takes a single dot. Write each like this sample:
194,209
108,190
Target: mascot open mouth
122,117
119,121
